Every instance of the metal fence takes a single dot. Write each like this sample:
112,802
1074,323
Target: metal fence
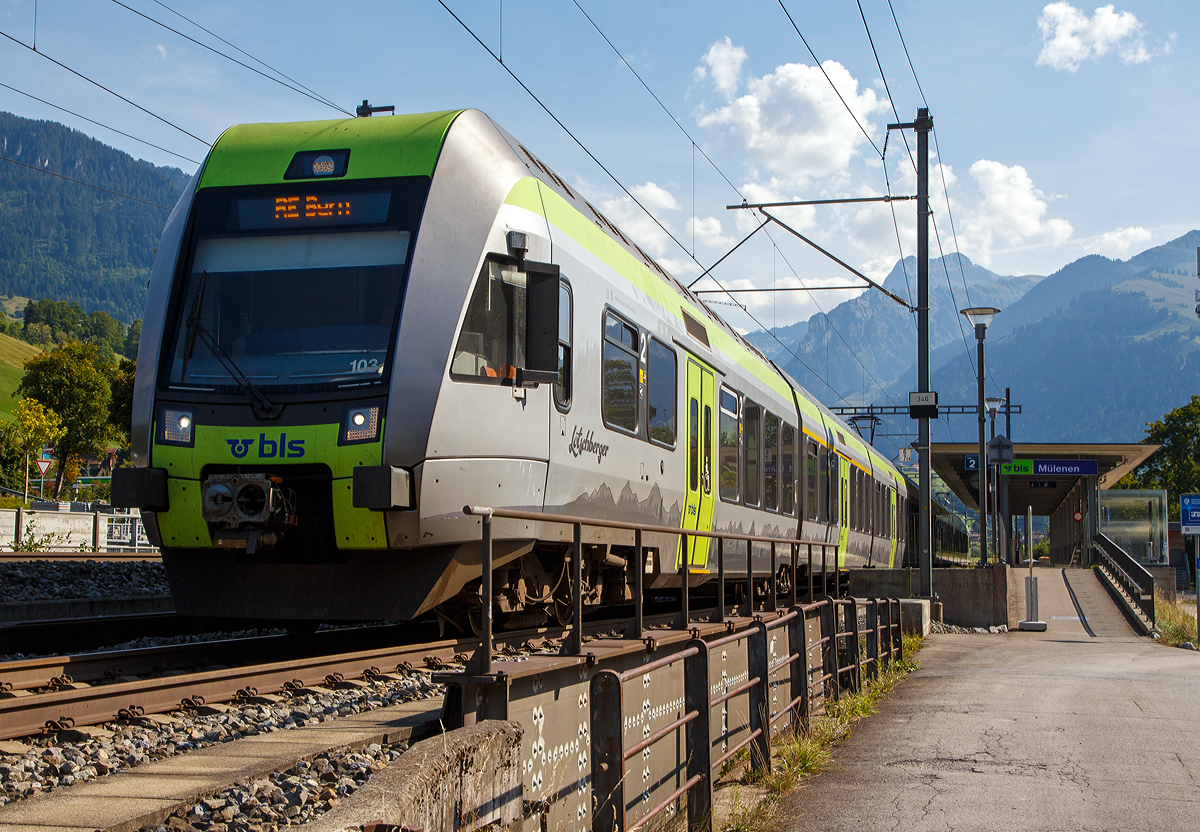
704,744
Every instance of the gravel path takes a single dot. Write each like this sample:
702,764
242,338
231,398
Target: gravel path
50,580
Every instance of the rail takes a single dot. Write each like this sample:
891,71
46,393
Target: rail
842,665
1134,578
482,662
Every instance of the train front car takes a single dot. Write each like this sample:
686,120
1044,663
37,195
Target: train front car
301,309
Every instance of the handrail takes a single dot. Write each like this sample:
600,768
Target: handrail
1139,584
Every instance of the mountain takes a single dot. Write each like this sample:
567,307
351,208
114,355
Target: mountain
864,344
63,240
775,345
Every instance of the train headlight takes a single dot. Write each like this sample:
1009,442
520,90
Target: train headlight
360,423
176,426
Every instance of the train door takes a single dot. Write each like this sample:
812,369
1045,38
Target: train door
843,475
700,404
893,526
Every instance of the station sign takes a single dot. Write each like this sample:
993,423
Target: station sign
1043,484
970,462
1018,467
1189,513
1066,467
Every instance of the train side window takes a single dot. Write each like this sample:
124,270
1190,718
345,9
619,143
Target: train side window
771,462
751,437
693,445
730,446
619,375
562,389
787,468
823,484
491,344
660,384
810,480
834,482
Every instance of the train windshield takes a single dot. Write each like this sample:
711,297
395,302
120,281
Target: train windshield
287,304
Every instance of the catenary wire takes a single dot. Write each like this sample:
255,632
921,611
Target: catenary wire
87,184
111,92
99,124
258,61
774,245
145,16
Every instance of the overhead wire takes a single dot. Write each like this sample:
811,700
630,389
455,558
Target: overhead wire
99,124
87,184
202,45
244,52
618,183
111,92
737,190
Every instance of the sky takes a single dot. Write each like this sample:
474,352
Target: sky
1062,129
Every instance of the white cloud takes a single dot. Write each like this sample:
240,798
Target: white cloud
723,64
162,50
1118,242
655,198
1070,37
1012,211
790,123
708,232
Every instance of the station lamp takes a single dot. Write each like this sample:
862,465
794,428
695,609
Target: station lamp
980,317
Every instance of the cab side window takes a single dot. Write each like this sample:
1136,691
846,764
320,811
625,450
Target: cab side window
491,344
619,375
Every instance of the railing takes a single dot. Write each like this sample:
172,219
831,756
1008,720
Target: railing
574,643
1134,578
832,675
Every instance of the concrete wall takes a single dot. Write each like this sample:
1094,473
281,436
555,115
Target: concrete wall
1165,579
459,781
70,529
970,597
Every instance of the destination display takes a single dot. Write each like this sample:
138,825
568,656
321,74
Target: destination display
306,210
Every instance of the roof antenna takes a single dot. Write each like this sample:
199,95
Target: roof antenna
365,109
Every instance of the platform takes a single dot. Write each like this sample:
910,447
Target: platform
1085,726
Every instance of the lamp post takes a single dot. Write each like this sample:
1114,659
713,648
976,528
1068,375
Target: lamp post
980,317
993,407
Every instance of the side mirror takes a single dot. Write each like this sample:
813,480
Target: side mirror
541,324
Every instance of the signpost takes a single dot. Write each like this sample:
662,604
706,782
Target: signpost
43,466
923,405
1189,524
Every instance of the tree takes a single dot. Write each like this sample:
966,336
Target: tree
120,414
74,383
35,426
132,337
1176,466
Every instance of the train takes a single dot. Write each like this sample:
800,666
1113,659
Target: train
355,327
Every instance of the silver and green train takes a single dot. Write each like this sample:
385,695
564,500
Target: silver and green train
355,327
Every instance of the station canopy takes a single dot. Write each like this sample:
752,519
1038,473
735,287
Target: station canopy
1044,492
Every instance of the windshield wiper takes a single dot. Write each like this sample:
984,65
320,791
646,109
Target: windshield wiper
262,406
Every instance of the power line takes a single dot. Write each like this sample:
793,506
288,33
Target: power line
106,89
247,54
836,91
98,124
88,184
230,58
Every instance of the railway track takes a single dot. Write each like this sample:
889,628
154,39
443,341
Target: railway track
76,556
63,692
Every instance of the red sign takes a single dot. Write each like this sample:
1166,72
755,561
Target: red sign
43,466
1078,516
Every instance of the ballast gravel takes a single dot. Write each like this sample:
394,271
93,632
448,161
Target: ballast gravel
938,627
50,763
54,580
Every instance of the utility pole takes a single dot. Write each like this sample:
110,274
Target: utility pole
923,125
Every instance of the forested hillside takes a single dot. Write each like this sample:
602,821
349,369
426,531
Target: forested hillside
59,239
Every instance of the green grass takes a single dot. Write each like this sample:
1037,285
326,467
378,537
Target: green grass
13,355
1176,624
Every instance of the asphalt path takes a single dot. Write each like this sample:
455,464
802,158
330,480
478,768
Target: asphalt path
1084,727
